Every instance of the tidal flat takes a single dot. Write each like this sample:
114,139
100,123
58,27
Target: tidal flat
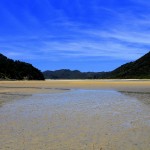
75,115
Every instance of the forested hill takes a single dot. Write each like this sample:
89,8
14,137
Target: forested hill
73,74
17,70
139,69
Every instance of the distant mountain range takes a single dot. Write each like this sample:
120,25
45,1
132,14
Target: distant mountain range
139,69
17,70
75,74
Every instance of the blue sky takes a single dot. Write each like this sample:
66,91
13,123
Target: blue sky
88,35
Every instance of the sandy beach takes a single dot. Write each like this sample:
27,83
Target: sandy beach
37,86
75,115
12,90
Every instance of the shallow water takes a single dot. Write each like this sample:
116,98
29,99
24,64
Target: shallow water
76,120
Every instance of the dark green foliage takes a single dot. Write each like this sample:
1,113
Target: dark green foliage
63,74
139,69
75,74
17,70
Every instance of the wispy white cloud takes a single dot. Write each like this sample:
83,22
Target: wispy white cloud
96,31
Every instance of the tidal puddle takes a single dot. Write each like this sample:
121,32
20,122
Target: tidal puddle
76,120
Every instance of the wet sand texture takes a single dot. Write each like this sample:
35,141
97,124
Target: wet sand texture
48,116
12,90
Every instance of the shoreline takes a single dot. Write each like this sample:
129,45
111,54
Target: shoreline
75,120
15,90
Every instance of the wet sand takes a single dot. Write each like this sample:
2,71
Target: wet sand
75,115
13,90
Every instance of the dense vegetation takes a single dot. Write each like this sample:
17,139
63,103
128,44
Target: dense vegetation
17,70
139,69
10,69
75,74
